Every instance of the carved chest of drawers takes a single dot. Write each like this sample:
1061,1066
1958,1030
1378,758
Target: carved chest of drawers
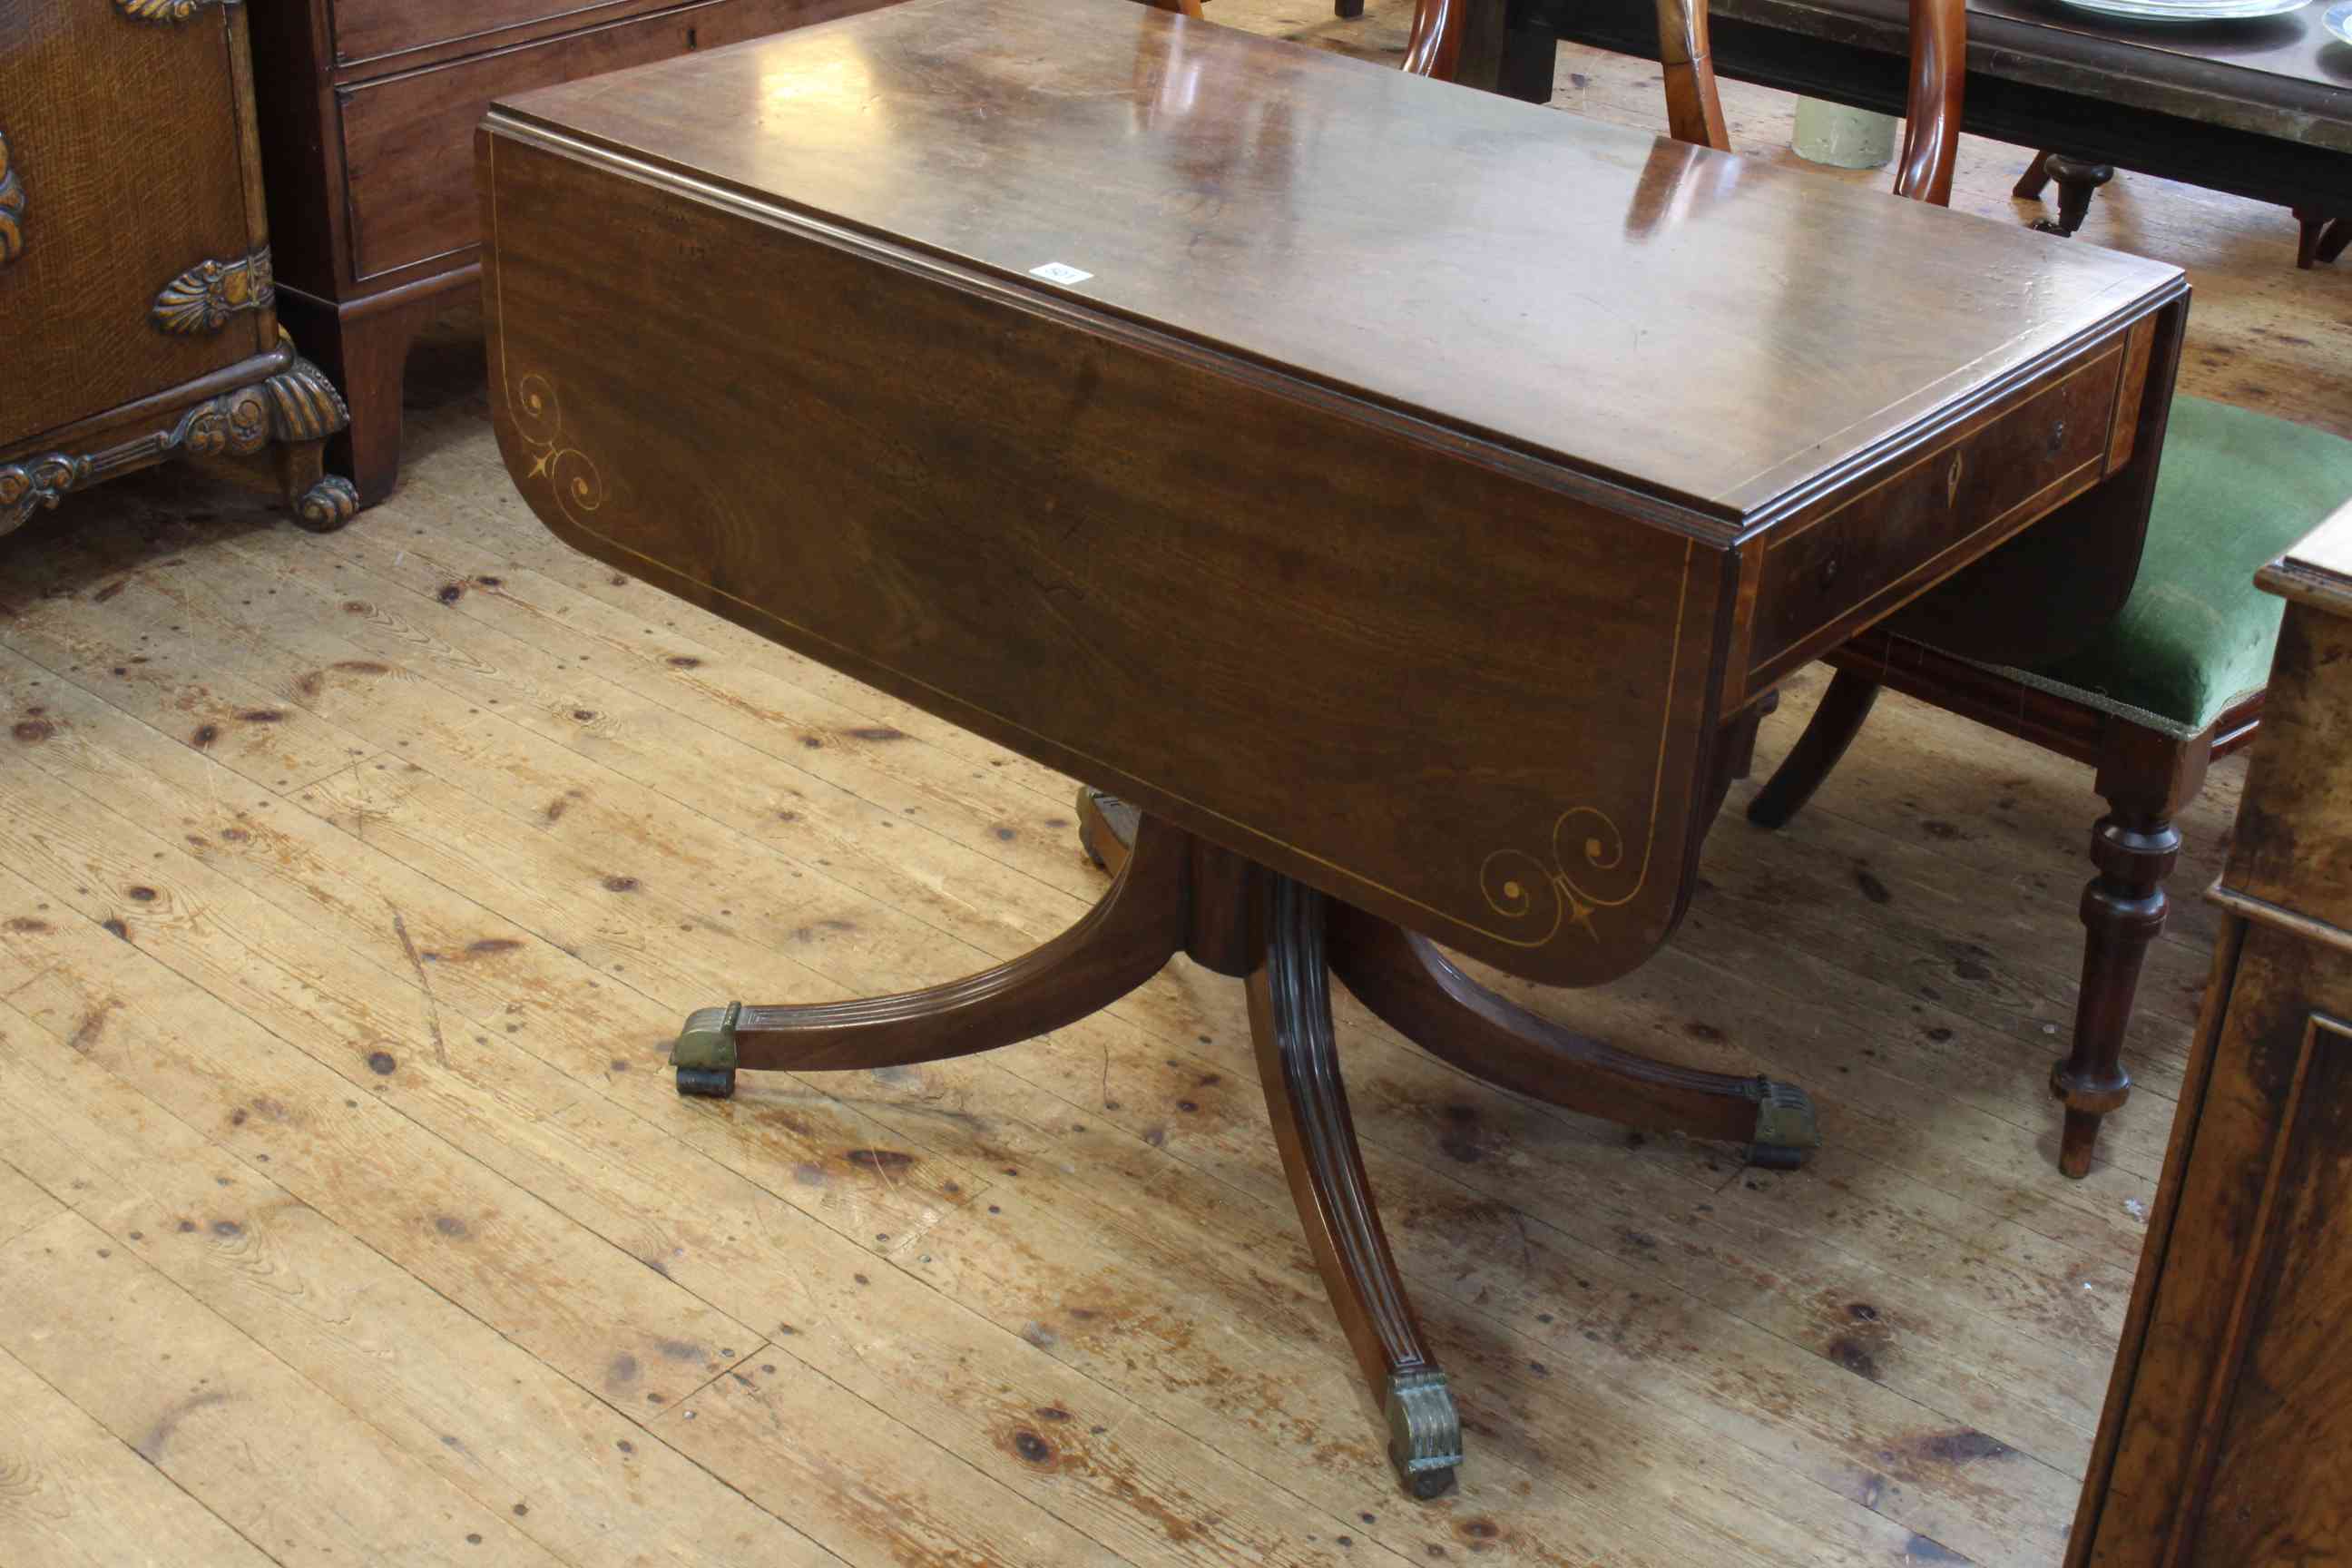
136,303
368,109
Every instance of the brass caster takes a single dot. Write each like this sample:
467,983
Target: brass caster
706,1083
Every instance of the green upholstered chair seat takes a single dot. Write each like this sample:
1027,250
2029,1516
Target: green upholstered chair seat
2236,488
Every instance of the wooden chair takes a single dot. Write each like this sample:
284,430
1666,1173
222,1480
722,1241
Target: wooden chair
1434,48
2173,682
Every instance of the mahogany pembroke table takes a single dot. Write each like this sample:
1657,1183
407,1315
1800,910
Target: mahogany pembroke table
1413,540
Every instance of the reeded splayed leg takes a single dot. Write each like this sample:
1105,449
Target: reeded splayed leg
1419,993
1122,942
2036,178
1843,709
1423,995
1290,1017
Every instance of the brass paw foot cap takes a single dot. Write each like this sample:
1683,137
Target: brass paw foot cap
705,1054
1424,1432
1786,1128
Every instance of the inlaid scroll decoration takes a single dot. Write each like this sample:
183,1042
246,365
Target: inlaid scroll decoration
12,208
570,473
165,10
1583,871
1519,885
204,298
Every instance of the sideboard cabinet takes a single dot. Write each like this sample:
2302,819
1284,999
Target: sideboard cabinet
368,109
2227,1441
136,302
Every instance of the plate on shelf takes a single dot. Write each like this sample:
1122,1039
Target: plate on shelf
2194,10
2337,19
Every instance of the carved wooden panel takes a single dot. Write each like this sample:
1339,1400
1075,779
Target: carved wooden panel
2302,778
2229,1418
2279,1489
128,155
2239,1410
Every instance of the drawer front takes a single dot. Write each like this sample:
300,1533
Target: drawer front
369,30
125,169
408,140
1823,580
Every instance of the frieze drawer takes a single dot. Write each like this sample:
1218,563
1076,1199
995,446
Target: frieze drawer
2011,468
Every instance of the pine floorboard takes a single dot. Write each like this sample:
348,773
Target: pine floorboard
351,888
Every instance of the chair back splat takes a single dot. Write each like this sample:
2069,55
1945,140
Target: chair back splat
1931,132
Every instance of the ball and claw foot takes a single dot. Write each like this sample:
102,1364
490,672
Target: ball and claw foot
705,1054
1424,1432
328,505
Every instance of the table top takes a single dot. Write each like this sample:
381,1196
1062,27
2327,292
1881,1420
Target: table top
2292,47
1712,332
2284,76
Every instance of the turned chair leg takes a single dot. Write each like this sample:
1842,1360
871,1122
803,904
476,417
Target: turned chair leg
2124,910
2036,178
1298,1064
1834,724
1123,941
2078,181
2147,779
2323,237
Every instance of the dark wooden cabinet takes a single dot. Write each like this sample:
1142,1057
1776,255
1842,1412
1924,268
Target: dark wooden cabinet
2227,1441
137,317
368,109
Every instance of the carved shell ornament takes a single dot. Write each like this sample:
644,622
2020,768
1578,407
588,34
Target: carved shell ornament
12,208
205,296
163,10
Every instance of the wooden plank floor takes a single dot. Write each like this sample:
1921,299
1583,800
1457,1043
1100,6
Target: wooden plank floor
351,890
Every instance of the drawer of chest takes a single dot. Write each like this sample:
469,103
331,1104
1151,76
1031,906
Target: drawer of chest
1826,577
371,30
408,140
